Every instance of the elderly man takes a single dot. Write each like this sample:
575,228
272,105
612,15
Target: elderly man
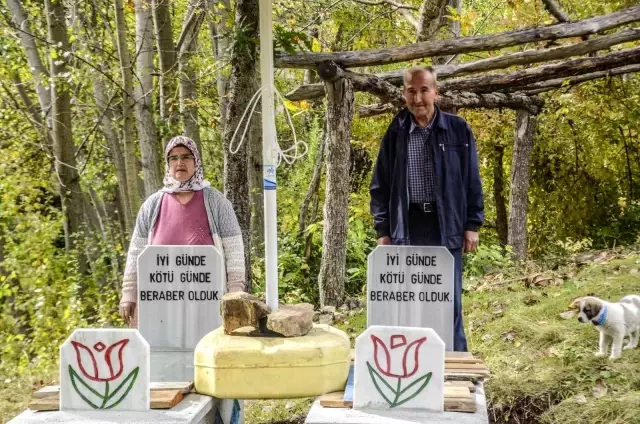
426,188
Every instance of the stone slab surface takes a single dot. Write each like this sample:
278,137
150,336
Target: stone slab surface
321,415
399,368
411,286
106,369
194,409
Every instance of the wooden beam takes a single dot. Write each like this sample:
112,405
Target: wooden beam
541,87
462,44
311,91
514,81
462,100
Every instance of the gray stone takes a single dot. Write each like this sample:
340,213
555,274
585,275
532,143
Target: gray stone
240,309
343,308
291,320
328,310
325,319
338,317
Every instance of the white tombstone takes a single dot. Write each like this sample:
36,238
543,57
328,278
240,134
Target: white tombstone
411,286
105,369
399,368
179,293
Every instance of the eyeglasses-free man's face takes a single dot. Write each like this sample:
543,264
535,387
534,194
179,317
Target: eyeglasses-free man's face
420,95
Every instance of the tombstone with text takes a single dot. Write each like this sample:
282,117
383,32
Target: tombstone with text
399,368
411,286
179,293
105,369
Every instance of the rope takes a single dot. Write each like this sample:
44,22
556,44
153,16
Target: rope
281,154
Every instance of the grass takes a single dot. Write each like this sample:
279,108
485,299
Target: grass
543,366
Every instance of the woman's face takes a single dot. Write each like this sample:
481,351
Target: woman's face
182,164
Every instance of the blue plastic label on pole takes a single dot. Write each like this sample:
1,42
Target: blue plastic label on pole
269,177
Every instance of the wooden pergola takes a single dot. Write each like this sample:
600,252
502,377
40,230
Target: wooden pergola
461,85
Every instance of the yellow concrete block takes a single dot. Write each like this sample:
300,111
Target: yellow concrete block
244,367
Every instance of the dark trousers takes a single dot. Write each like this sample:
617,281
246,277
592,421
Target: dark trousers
424,230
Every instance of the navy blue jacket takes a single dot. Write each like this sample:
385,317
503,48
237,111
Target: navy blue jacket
459,200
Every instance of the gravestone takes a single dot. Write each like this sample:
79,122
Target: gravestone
104,369
411,286
179,293
399,368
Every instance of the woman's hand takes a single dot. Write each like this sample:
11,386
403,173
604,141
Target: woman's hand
126,311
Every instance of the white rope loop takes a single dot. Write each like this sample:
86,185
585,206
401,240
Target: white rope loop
281,154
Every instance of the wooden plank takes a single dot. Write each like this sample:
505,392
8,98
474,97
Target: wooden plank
50,403
459,366
463,360
482,373
451,403
468,384
184,388
47,391
165,399
160,399
454,355
456,391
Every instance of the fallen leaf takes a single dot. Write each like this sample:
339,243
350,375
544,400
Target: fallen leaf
553,351
568,314
599,389
580,399
509,336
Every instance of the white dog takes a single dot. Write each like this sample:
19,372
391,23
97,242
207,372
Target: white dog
614,321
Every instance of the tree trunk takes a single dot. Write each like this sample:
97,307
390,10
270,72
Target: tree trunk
166,55
332,275
241,88
314,184
519,193
384,56
256,185
130,160
431,14
115,153
502,223
63,149
147,134
188,87
38,70
219,30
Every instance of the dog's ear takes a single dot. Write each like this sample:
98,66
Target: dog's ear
575,305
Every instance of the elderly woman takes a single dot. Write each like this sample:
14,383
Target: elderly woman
186,211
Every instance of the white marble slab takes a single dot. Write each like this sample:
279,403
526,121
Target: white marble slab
193,409
411,286
320,415
399,368
179,293
105,369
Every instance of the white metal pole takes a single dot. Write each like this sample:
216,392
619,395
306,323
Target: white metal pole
269,155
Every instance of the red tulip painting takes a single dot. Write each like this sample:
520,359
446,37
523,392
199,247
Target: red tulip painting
388,375
101,364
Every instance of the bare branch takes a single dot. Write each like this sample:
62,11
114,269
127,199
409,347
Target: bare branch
462,44
389,2
311,91
555,9
553,84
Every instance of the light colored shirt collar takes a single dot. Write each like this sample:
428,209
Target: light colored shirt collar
414,125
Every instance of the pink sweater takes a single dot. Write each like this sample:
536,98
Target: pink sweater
180,224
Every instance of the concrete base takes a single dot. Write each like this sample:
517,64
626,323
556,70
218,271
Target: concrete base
321,415
171,365
194,409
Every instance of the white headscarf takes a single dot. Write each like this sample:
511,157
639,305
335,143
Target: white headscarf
196,182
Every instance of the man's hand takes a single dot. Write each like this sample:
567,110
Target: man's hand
127,310
384,240
470,242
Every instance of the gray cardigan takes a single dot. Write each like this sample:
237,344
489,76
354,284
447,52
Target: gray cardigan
224,229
